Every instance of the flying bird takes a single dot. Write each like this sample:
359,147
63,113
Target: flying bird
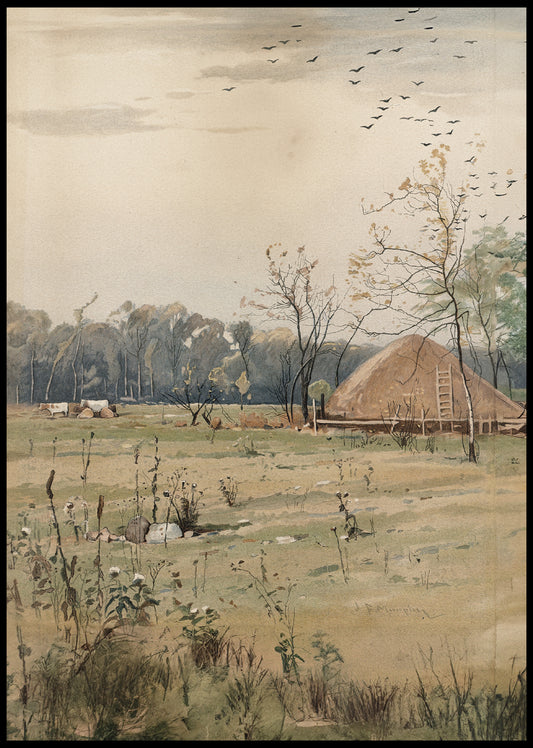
277,58
500,194
296,26
425,143
453,121
506,217
417,83
229,89
356,70
377,116
434,40
492,173
313,59
383,108
399,19
281,41
413,11
470,160
272,47
404,97
471,41
398,49
374,53
355,82
460,57
386,101
368,126
411,117
450,132
436,134
510,182
434,110
430,19
522,217
475,188
428,28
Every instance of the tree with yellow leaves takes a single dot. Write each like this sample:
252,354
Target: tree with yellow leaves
419,282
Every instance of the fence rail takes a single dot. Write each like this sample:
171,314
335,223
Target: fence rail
484,425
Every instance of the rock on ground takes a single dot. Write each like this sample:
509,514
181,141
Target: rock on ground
157,533
137,529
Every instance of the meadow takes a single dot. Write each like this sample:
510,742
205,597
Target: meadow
330,586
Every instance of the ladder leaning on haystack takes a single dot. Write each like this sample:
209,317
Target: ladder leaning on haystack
444,395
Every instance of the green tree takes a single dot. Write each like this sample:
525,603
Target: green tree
138,329
493,285
74,339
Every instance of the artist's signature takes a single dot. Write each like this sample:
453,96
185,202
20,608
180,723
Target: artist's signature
408,610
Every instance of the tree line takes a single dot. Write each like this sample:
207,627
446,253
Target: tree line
148,353
436,283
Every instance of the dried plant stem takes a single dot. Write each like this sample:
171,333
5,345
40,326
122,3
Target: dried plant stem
71,592
334,530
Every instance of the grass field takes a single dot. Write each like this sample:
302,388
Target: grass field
422,609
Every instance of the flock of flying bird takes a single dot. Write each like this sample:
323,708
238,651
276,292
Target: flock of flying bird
446,128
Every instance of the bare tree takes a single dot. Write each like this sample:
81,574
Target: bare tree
280,388
427,273
292,296
197,394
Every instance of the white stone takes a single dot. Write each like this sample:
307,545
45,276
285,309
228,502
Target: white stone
158,532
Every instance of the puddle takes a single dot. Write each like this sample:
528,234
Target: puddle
322,570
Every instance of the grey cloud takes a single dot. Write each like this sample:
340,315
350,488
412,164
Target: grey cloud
95,120
179,94
231,130
253,71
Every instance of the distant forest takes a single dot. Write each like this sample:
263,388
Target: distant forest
147,353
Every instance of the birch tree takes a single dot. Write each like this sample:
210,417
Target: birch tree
420,281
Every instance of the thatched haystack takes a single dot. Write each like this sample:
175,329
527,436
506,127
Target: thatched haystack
402,382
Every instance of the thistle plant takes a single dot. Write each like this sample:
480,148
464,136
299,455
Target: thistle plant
229,489
282,612
129,601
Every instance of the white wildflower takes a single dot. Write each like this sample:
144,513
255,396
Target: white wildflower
114,571
138,579
25,530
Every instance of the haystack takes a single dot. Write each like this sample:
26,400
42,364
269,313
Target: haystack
414,377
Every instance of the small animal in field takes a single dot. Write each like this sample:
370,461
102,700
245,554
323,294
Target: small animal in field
54,408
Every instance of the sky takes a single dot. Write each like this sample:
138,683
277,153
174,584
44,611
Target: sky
133,173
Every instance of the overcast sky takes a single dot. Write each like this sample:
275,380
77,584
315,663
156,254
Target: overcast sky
133,173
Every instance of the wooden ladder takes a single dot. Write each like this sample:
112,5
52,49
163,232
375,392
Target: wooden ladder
445,395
